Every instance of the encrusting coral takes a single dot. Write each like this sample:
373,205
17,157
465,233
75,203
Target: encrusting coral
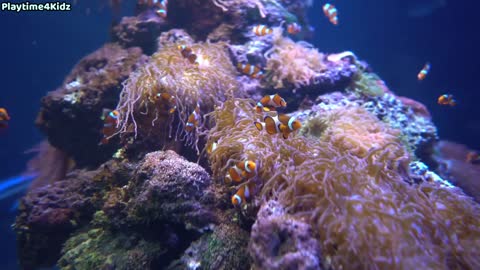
352,190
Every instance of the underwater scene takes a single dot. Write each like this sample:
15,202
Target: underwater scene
239,134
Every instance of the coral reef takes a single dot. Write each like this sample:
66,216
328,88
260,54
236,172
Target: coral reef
72,112
354,180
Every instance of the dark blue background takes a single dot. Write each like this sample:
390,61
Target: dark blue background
38,49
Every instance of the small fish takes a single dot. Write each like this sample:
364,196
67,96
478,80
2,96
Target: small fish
273,101
424,72
250,70
110,122
282,123
261,30
187,53
294,28
241,171
212,147
243,193
4,118
193,119
331,12
473,157
447,99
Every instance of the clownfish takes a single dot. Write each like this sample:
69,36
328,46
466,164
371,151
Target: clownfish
187,53
270,103
423,73
447,99
241,171
473,157
4,118
169,99
243,193
294,28
331,12
110,122
193,119
212,147
250,70
261,30
279,124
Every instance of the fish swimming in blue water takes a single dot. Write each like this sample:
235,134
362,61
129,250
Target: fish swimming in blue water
423,8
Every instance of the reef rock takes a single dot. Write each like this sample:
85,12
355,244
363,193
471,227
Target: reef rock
279,241
71,115
224,248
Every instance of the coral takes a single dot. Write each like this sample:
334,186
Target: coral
72,112
99,249
295,63
207,82
280,241
450,159
48,215
418,133
166,188
224,248
353,192
140,31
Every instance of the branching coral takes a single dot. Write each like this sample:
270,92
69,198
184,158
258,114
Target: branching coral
352,190
297,63
171,86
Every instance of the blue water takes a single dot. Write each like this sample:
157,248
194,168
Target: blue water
39,49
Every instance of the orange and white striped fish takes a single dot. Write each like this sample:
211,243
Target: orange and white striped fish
244,193
261,30
110,122
193,120
4,118
424,72
447,99
331,12
187,53
241,171
250,70
294,28
269,103
282,123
